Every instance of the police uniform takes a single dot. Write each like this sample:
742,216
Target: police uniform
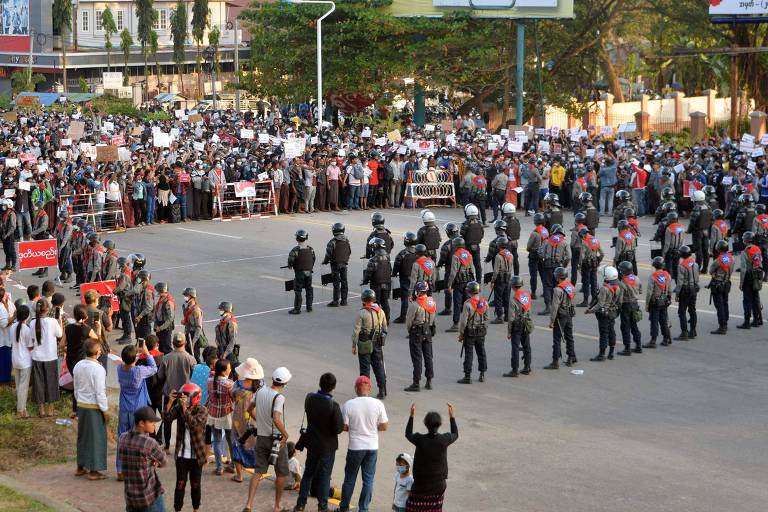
337,253
444,262
472,232
430,237
368,337
193,327
95,261
143,310
631,288
561,319
384,234
420,324
718,231
606,309
40,226
165,314
626,248
226,336
721,270
378,275
552,215
423,269
743,223
536,239
590,256
473,325
513,234
517,329
576,251
402,269
461,274
553,253
124,292
502,273
109,269
657,300
302,260
750,283
760,229
593,217
687,289
75,252
673,240
699,227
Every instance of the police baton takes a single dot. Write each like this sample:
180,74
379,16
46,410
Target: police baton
562,338
285,266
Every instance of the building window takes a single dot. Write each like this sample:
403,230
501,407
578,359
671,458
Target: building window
85,25
99,27
119,20
161,23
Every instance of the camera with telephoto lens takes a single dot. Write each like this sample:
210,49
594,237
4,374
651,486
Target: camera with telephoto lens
274,453
250,431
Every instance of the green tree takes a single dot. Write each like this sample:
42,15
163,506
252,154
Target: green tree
214,36
126,41
200,13
179,31
154,46
83,84
110,28
62,22
147,16
24,81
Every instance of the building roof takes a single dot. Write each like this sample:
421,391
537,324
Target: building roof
169,97
46,99
80,97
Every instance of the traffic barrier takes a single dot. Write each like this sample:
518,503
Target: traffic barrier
105,215
244,200
430,188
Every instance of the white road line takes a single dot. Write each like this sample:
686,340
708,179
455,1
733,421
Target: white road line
258,313
218,262
210,233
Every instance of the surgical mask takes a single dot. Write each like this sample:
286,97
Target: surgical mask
401,469
222,313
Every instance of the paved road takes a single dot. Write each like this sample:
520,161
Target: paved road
679,428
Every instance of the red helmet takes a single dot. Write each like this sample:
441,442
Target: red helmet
194,393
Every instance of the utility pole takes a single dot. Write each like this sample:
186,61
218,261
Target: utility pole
237,68
734,133
520,70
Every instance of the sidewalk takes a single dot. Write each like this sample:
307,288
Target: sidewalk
58,483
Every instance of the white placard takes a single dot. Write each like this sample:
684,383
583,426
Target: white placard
175,132
746,147
504,133
746,137
521,138
161,140
492,146
539,131
764,140
66,142
750,165
9,192
679,168
619,143
450,139
727,180
61,155
544,146
400,151
606,131
590,153
109,126
264,176
246,134
366,133
25,185
215,138
179,113
516,146
757,152
314,140
199,146
381,141
429,127
263,138
124,154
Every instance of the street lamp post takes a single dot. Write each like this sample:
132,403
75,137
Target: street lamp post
210,54
319,54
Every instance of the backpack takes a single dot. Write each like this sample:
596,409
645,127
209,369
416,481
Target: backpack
358,172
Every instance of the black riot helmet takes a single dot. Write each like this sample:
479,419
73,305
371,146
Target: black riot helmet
161,287
718,214
760,208
625,268
669,206
377,219
458,242
516,282
721,246
709,190
561,273
143,276
580,218
672,217
539,219
421,249
451,230
557,229
658,262
502,242
122,262
368,296
737,190
630,213
585,197
302,235
622,195
225,306
685,251
139,261
410,239
190,292
747,237
552,199
338,228
668,194
377,243
473,288
109,245
622,225
500,226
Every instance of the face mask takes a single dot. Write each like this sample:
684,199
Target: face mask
401,469
222,313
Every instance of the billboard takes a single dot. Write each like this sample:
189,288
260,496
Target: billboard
518,9
737,7
14,25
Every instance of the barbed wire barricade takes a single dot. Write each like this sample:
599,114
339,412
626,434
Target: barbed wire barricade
430,188
104,214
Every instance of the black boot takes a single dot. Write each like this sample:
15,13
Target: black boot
333,304
399,320
466,380
428,385
382,393
638,349
745,325
610,353
599,357
413,388
294,312
692,333
513,373
545,312
554,365
683,336
650,344
482,377
667,342
626,351
445,312
720,330
526,370
453,328
343,302
571,361
497,320
582,304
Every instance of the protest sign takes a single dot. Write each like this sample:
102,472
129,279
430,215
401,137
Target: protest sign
366,134
124,154
679,168
108,126
38,254
161,140
246,134
104,288
394,136
245,189
11,162
381,141
263,138
516,146
10,117
118,140
76,130
106,153
199,146
764,140
27,157
25,185
504,132
61,155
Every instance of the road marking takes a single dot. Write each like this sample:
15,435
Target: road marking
210,233
218,262
575,334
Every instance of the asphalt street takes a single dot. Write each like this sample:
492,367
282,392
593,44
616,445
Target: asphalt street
677,428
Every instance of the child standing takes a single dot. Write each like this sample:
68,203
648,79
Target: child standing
403,481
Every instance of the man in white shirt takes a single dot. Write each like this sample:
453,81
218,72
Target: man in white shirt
90,384
364,417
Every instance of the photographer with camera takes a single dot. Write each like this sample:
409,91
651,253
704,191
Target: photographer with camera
175,370
268,410
184,407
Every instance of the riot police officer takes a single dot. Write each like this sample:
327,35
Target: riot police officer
710,193
561,320
667,197
751,281
473,325
719,286
720,230
95,259
625,245
472,233
429,234
124,292
226,333
590,256
378,273
368,337
686,290
502,273
143,304
630,291
402,268
461,274
578,224
63,234
8,233
302,260
745,217
536,239
446,252
423,270
592,215
513,233
760,229
673,240
520,327
500,227
420,324
622,201
379,231
607,308
109,268
165,315
552,212
732,203
553,253
337,253
657,301
699,228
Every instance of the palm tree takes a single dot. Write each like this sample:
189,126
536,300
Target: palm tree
213,39
153,47
126,41
179,34
109,28
200,14
62,21
147,15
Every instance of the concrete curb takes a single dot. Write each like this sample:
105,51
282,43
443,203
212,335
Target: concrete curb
21,488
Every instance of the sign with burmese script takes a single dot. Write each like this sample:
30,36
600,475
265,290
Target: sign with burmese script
38,254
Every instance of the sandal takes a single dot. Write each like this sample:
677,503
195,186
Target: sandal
81,472
218,471
95,475
246,509
237,479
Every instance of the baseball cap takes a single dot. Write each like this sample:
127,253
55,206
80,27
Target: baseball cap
145,414
362,380
281,375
